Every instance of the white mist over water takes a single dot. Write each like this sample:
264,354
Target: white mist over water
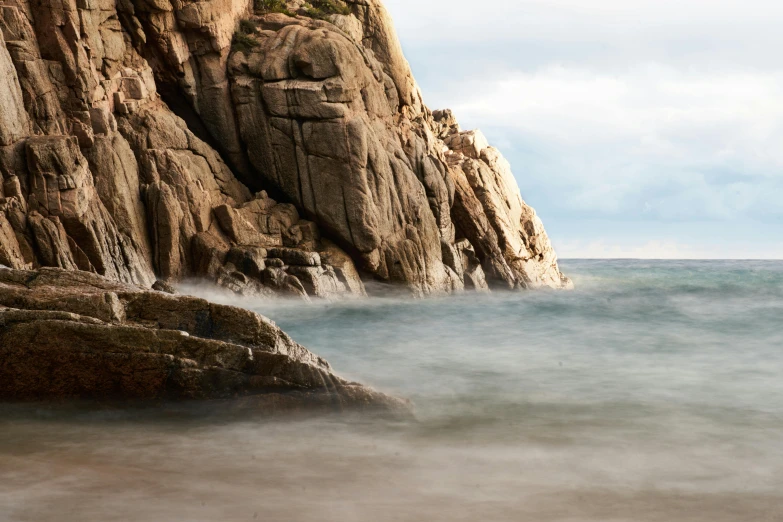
653,392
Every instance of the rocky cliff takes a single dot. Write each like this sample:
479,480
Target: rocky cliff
273,147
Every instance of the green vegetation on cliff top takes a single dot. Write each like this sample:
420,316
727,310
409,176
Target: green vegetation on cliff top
319,9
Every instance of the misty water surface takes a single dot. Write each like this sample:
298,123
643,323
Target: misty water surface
654,392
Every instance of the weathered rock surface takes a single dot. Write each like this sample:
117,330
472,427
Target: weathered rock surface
69,334
98,173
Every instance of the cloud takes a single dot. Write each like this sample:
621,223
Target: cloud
660,110
661,249
603,249
653,141
673,28
654,111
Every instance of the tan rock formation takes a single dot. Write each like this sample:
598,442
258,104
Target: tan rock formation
491,213
99,174
69,335
328,113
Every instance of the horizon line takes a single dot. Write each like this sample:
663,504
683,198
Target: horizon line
670,258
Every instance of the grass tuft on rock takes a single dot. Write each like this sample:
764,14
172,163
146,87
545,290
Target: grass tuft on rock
248,27
272,6
243,42
320,9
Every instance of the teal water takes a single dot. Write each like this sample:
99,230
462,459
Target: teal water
653,392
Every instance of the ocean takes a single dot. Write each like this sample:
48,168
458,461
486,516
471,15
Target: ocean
652,392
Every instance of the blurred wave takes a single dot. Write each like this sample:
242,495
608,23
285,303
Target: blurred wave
653,392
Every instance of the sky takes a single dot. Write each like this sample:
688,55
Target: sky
635,128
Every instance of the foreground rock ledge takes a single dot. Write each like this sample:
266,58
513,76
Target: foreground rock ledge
77,335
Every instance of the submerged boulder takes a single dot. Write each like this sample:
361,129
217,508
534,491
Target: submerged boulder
76,335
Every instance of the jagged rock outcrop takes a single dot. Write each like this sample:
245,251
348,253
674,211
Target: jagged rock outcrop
327,112
283,149
75,335
99,175
491,214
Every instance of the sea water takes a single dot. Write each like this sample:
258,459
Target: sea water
652,392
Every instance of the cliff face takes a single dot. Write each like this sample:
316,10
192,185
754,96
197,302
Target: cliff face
142,139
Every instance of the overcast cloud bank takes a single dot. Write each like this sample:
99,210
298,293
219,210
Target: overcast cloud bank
635,115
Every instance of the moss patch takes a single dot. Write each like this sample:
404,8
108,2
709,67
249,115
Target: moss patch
243,42
272,6
322,8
